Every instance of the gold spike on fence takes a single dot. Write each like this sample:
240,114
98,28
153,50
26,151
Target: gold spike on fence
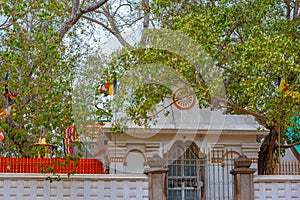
286,168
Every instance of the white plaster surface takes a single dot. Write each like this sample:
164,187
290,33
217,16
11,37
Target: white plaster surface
105,186
279,187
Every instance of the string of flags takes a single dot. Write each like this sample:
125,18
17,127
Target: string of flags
70,133
9,98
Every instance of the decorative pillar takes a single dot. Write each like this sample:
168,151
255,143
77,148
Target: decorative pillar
157,174
243,179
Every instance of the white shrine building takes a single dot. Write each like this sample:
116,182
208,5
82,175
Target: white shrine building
197,145
185,125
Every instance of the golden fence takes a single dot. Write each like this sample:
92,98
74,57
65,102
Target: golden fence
286,168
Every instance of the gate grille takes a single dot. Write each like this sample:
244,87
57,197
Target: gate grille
205,178
183,177
219,181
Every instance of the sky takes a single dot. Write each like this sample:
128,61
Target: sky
2,19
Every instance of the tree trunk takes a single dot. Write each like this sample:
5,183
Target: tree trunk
266,153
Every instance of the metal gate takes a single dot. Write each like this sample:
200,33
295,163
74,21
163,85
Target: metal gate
219,181
205,178
184,180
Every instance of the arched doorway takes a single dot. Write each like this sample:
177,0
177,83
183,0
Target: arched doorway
184,176
134,162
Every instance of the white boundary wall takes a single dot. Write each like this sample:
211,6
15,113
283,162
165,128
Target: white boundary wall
277,187
79,186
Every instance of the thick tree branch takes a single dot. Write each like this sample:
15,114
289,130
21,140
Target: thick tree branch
296,9
114,27
76,13
146,6
288,9
75,7
237,108
289,145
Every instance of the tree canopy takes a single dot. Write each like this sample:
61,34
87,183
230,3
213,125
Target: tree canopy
254,44
43,45
39,47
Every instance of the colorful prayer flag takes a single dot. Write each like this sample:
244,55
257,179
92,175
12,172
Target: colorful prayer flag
6,112
282,85
104,88
9,96
69,139
1,135
110,87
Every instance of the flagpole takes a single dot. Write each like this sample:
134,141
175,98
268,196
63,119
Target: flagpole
280,85
114,117
279,169
7,105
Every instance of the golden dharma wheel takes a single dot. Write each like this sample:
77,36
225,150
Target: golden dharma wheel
184,99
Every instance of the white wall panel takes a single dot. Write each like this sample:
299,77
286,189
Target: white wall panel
77,187
279,187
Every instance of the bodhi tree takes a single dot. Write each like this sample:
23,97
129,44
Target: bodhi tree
255,44
42,46
39,46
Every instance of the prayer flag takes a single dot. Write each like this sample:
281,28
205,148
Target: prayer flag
9,96
6,112
110,87
6,76
282,85
69,139
104,88
1,135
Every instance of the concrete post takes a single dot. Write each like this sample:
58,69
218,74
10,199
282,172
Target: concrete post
243,179
156,178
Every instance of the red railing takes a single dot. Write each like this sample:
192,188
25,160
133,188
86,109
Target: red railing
50,165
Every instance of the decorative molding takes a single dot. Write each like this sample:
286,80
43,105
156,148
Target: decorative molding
117,159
